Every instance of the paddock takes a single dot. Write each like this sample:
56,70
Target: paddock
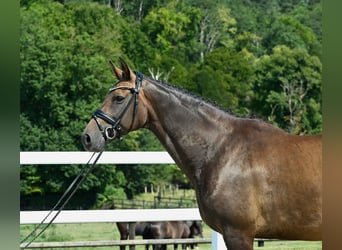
119,215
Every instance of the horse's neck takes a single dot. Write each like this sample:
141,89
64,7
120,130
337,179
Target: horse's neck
187,127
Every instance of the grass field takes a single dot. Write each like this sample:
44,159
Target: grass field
108,231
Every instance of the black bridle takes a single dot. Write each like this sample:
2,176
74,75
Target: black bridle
110,133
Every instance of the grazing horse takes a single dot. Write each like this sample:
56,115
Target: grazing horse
123,228
162,230
251,178
167,230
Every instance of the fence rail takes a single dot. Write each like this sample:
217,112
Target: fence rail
74,157
163,202
107,243
120,215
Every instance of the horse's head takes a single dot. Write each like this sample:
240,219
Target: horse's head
121,111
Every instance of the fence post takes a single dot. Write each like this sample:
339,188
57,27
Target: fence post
132,234
217,242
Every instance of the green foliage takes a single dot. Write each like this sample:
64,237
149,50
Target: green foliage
225,76
171,29
248,56
110,192
287,30
63,67
288,88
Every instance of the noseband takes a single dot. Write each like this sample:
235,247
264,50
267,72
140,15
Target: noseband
110,133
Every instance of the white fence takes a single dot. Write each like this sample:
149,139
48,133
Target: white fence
126,215
117,215
74,157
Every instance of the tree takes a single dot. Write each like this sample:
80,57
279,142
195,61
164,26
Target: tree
288,89
310,16
225,76
61,65
287,30
173,29
64,72
217,27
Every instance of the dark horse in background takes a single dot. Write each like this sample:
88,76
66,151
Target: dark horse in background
123,227
173,230
162,230
251,179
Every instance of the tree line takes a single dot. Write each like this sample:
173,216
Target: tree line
253,58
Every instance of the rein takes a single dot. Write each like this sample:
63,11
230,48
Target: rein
83,174
110,133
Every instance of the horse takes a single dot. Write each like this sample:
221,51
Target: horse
123,227
162,230
196,229
168,230
251,178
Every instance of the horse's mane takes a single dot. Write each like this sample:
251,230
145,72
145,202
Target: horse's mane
200,98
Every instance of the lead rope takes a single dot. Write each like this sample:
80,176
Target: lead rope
85,171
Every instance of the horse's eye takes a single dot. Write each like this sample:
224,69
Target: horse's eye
118,98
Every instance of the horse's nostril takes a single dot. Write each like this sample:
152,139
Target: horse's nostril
86,139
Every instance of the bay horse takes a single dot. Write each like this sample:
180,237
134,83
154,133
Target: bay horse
167,230
173,230
196,229
251,178
123,227
162,230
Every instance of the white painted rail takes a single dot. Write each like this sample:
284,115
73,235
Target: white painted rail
117,215
110,157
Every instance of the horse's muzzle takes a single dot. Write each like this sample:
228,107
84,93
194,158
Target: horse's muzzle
93,142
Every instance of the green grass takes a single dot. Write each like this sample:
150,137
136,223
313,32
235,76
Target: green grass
166,192
108,231
291,245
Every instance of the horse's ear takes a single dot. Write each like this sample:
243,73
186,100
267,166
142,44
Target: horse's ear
127,73
118,72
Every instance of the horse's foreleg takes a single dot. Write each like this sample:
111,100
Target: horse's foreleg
123,247
237,239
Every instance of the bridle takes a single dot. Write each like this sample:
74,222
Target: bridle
110,133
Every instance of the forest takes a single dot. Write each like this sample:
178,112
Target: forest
254,58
